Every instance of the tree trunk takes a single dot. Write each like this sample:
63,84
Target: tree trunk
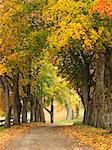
52,111
27,91
41,110
31,114
24,110
77,110
99,98
69,109
32,108
16,99
109,100
109,85
85,94
7,101
36,110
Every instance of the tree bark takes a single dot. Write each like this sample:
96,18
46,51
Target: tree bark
5,86
69,109
109,85
41,110
77,110
36,110
24,110
16,99
27,91
52,111
99,97
32,108
85,93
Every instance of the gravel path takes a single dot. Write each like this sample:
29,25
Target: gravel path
45,138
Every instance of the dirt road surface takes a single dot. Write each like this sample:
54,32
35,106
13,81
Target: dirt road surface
46,138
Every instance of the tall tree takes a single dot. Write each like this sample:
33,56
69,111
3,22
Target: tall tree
84,23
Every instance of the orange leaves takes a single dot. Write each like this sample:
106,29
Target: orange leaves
9,134
104,8
98,139
34,14
110,14
87,43
103,23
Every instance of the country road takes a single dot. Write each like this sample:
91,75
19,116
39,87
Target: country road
45,138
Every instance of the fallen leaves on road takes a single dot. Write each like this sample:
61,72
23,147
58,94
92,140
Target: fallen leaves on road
98,139
6,135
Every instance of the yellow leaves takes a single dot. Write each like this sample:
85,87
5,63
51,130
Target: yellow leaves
101,29
14,132
76,35
61,35
77,31
98,139
6,15
88,42
94,35
75,99
62,24
17,56
70,23
15,59
2,69
33,34
93,32
0,41
75,21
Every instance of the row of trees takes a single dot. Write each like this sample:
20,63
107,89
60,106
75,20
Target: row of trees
27,77
81,35
21,53
77,36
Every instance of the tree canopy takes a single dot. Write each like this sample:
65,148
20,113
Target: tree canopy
42,39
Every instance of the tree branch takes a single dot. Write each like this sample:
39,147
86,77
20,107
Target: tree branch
48,110
8,77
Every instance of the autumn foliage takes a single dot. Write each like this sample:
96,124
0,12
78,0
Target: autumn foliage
103,7
75,34
97,139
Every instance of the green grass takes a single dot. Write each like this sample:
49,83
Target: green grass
74,121
68,122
